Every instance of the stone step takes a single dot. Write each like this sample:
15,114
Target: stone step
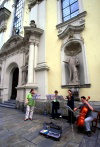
11,101
7,106
8,103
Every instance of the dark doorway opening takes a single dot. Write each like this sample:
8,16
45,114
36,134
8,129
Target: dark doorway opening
14,83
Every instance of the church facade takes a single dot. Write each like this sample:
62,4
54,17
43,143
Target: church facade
49,45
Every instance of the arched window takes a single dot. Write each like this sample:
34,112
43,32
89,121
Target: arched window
70,9
18,16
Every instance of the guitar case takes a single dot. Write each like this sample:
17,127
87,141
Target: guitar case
51,130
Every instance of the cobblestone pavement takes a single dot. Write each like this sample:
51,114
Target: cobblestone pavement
15,132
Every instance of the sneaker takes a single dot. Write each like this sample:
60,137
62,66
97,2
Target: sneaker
88,133
30,119
25,119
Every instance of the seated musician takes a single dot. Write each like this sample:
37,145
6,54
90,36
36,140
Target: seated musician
55,105
88,116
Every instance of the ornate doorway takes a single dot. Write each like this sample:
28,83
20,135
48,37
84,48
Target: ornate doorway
14,83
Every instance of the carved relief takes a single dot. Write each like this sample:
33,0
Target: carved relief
33,2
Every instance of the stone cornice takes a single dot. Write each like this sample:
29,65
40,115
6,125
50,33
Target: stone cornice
76,86
4,14
41,67
14,44
33,31
78,17
35,86
33,2
71,29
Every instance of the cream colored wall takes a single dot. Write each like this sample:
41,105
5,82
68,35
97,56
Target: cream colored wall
91,37
91,40
53,45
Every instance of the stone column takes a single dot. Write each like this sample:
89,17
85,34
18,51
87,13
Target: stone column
36,54
59,13
31,63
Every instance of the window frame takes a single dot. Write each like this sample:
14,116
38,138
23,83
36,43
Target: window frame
69,6
17,24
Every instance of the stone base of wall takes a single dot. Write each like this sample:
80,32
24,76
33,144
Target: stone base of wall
45,106
0,100
20,106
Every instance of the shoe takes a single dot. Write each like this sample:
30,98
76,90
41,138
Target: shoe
30,119
89,133
25,119
52,117
69,121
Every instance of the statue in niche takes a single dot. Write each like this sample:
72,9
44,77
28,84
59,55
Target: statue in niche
24,77
26,57
25,67
73,63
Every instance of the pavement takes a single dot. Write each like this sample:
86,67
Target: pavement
15,132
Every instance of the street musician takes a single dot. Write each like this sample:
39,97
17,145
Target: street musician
85,116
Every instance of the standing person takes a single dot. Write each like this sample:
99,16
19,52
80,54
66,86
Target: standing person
30,101
70,103
55,105
88,115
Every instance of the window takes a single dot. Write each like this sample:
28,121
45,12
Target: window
18,16
70,8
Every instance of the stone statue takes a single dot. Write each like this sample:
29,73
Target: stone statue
24,77
25,68
26,57
73,64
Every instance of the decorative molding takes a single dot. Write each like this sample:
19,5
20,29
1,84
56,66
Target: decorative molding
4,14
77,86
3,27
33,2
27,87
72,48
14,44
79,17
33,31
41,67
71,30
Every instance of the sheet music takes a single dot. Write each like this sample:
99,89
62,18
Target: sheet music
52,96
36,96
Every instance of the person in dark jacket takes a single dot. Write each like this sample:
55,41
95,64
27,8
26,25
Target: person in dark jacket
55,105
70,103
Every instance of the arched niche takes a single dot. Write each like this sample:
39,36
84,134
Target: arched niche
74,48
